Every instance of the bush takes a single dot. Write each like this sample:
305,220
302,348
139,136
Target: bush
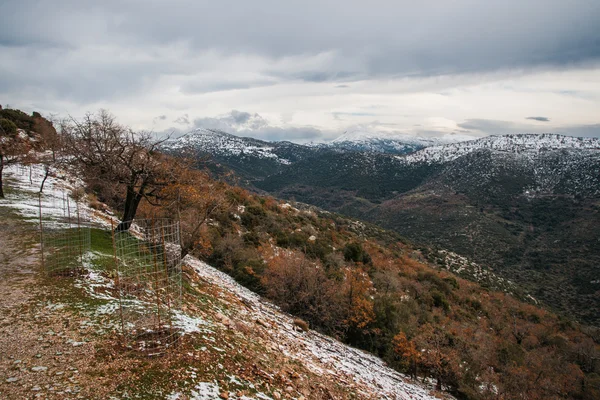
302,324
439,300
8,127
19,118
354,252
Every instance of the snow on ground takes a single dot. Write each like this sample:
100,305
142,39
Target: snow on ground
218,142
517,144
319,353
211,391
25,182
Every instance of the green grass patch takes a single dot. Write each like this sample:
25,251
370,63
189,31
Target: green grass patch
101,241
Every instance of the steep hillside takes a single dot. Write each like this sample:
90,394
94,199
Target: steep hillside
371,176
60,334
354,281
533,218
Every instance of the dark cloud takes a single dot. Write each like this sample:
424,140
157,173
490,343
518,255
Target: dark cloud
183,120
234,121
581,130
159,118
540,119
240,117
95,51
495,127
85,54
242,123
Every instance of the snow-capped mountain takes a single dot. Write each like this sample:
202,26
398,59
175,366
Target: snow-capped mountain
379,143
390,143
250,158
516,144
219,143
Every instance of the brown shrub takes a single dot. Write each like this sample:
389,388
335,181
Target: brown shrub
302,324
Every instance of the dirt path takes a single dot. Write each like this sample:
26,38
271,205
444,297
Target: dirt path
41,351
18,262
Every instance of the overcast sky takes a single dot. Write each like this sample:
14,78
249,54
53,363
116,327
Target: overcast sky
309,70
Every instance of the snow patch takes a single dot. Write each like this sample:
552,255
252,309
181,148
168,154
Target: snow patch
319,353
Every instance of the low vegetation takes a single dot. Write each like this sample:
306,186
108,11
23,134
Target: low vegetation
373,290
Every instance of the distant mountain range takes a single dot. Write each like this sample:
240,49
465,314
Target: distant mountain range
379,143
526,206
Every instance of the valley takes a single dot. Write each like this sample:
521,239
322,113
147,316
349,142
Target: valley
522,206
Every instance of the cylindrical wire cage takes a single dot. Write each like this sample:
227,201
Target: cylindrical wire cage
64,233
148,260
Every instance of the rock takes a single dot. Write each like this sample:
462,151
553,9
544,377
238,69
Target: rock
289,389
219,316
277,395
12,379
261,322
36,388
39,369
224,395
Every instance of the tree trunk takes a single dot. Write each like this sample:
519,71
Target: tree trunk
414,370
46,172
132,201
1,170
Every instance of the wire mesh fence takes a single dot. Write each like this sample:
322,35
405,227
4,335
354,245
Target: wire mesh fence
64,233
24,171
148,260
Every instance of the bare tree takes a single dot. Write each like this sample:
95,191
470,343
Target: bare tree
14,147
110,153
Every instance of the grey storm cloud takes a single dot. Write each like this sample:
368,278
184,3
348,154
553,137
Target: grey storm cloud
240,117
540,119
246,124
95,51
234,121
495,127
183,119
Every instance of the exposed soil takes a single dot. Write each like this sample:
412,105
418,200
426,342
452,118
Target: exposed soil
42,352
